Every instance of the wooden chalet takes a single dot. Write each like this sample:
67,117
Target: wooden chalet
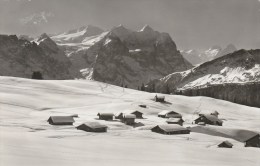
105,116
178,121
225,144
119,115
138,114
92,127
143,106
129,119
61,120
209,119
169,114
252,140
170,129
159,98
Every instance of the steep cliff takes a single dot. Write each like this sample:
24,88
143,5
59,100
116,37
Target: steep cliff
124,57
20,58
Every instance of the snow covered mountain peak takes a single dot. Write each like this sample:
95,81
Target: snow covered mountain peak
146,28
120,30
43,36
77,35
198,57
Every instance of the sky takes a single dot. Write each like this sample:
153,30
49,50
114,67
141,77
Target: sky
192,24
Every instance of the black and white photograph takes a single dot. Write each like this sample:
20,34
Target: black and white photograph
130,82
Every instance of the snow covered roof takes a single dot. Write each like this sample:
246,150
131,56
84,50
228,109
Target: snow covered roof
61,119
93,125
160,97
174,120
105,114
132,111
129,116
212,118
165,112
171,127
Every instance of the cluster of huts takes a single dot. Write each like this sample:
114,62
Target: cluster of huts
173,125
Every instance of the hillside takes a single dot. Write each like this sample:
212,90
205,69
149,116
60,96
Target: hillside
239,67
27,139
234,77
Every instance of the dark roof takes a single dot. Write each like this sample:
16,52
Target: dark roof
171,127
61,119
105,114
211,118
93,125
227,143
248,136
129,116
132,111
175,120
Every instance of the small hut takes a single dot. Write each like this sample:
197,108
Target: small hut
129,119
168,114
143,106
75,115
159,98
209,119
118,115
61,120
92,127
138,114
178,121
225,144
105,116
253,140
170,129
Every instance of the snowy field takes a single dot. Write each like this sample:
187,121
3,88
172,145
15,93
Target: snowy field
27,139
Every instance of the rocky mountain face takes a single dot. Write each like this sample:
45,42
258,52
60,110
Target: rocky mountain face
197,57
21,58
234,77
124,57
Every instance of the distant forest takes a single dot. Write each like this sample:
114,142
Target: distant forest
246,94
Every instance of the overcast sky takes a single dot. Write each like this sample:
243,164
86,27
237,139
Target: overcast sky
193,24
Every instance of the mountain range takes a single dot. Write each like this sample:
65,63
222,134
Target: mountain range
121,56
124,57
197,57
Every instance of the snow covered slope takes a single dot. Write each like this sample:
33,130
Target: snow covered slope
27,139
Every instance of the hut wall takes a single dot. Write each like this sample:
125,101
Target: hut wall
254,142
